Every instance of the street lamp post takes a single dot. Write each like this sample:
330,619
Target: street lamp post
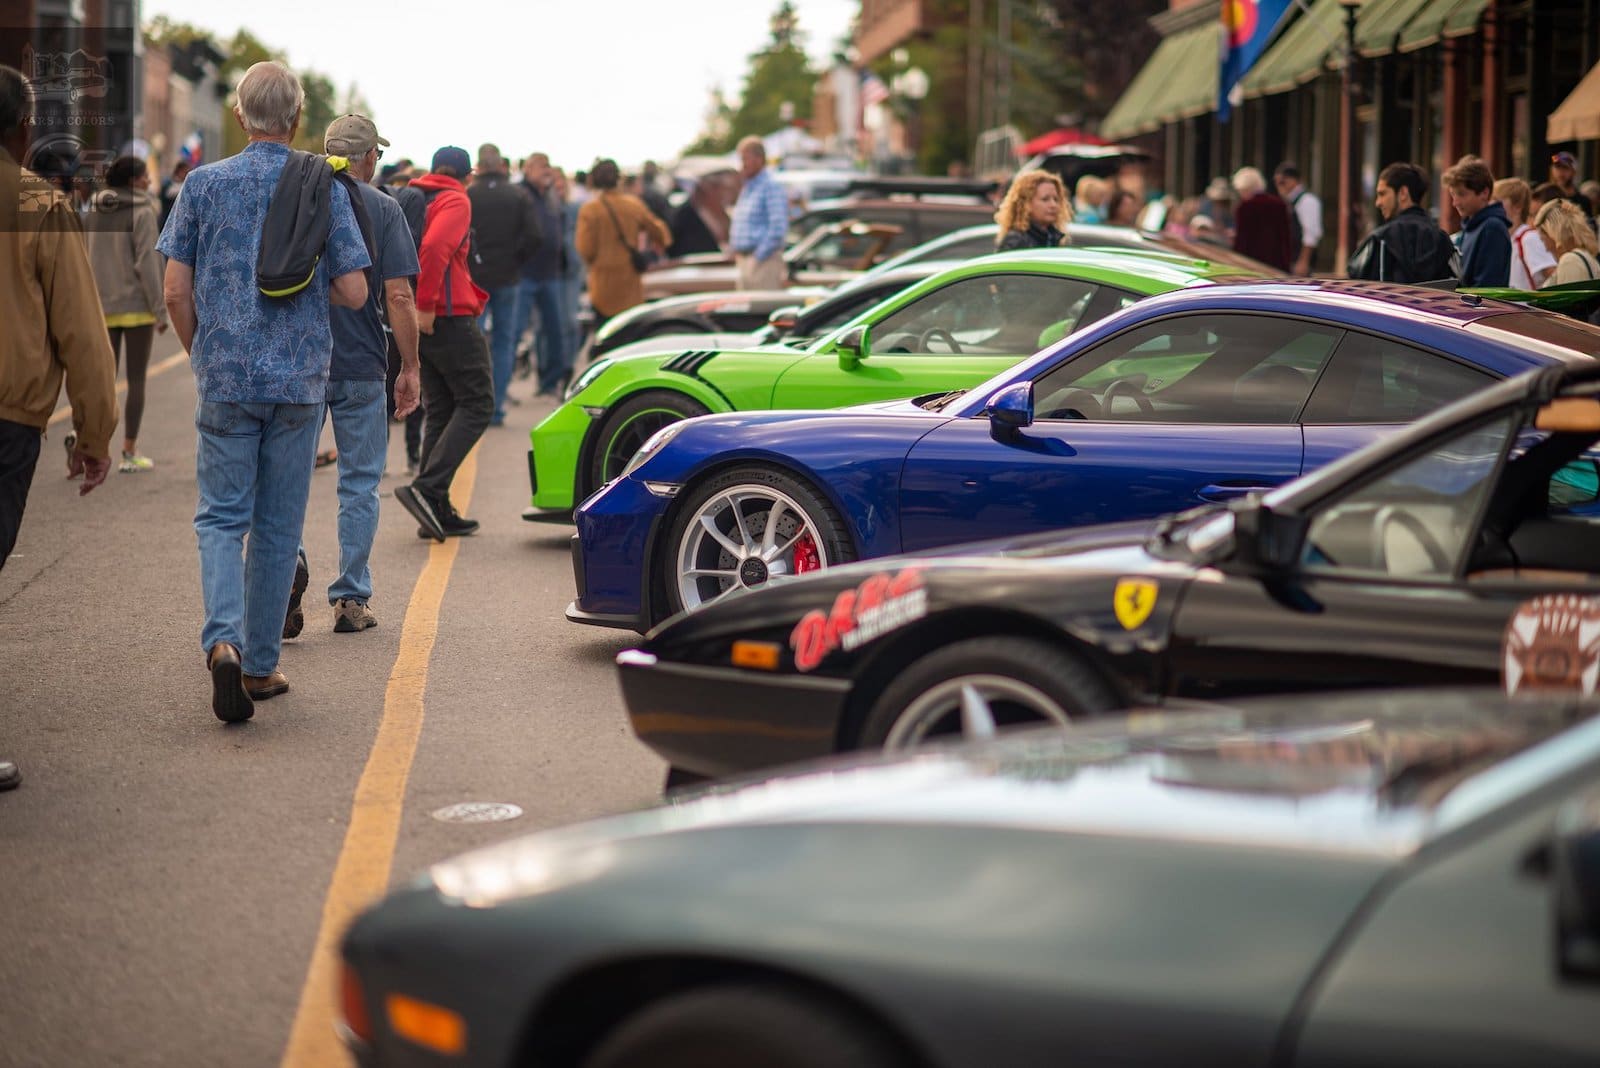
1349,160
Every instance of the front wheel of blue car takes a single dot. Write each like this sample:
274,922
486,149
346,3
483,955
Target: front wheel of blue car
747,527
1020,681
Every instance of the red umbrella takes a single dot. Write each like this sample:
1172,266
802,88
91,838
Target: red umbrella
1061,135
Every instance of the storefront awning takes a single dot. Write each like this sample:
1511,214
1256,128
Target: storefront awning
1299,52
1379,24
1441,18
1179,80
1578,117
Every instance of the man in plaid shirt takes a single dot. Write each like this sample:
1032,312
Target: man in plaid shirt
760,221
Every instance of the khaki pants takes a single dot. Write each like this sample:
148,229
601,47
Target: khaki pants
770,273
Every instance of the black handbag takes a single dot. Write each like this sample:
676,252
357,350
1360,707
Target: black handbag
641,260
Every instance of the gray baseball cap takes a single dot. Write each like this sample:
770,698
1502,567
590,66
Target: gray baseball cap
351,135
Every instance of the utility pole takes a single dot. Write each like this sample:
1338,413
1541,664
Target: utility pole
1003,44
974,73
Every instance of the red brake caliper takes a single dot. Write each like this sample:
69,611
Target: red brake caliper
806,557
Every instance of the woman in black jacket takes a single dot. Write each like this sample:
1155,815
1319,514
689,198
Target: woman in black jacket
1033,212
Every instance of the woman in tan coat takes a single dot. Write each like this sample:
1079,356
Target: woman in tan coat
611,224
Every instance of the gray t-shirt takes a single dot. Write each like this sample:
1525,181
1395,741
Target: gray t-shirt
360,349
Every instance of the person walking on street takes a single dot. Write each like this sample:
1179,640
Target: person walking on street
171,188
357,380
1566,230
760,222
1485,230
457,385
1531,262
52,329
575,277
612,228
121,237
261,369
1408,246
505,236
1261,221
1564,176
1033,213
543,280
1305,217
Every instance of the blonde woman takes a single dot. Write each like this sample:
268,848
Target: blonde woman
1033,213
1569,238
1531,262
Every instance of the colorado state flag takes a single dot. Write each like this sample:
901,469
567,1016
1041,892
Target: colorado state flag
1247,26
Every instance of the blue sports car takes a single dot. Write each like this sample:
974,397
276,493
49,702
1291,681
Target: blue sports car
1196,396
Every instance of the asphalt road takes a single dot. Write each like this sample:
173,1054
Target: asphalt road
165,877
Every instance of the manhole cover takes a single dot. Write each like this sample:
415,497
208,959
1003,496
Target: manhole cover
477,812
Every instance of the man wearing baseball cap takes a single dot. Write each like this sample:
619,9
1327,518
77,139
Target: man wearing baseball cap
357,387
457,387
1564,176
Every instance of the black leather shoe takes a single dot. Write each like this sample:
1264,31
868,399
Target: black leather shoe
10,775
294,620
229,700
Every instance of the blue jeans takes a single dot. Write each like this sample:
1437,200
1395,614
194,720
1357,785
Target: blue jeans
253,471
361,433
501,312
553,339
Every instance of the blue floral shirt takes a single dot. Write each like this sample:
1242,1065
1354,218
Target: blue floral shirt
248,348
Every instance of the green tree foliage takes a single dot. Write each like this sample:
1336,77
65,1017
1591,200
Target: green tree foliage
779,74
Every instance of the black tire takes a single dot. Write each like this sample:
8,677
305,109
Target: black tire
832,534
1029,669
679,779
744,1026
627,426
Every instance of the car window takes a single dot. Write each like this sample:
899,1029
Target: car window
965,248
1192,369
838,310
1417,519
991,315
844,248
1380,380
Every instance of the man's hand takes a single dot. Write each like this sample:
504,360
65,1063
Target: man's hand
407,392
94,469
161,328
424,321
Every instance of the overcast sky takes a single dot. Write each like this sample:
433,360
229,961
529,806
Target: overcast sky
574,78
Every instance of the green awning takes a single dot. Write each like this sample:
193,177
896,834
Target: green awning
1442,18
1299,53
1380,22
1179,80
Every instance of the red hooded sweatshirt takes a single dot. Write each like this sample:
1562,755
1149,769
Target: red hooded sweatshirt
444,282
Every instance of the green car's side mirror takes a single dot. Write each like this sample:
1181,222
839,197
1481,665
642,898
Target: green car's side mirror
853,346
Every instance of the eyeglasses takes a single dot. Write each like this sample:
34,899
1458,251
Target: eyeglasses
380,153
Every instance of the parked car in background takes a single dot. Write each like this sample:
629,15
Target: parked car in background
1405,880
831,254
1463,550
952,330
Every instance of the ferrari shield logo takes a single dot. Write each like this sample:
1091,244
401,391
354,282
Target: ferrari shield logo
1134,600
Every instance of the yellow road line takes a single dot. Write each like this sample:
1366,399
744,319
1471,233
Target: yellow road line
165,365
362,872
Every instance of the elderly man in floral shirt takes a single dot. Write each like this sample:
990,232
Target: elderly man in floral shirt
261,367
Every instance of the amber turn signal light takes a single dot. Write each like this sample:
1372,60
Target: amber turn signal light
430,1026
760,655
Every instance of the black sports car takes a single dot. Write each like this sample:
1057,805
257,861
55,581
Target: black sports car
1403,880
1464,549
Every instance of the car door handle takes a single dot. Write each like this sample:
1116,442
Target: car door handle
1229,491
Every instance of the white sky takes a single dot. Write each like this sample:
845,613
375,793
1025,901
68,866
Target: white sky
575,78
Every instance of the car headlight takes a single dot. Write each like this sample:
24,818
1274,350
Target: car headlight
583,381
653,445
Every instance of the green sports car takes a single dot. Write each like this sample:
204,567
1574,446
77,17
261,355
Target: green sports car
948,332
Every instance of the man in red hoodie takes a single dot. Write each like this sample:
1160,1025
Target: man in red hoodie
457,386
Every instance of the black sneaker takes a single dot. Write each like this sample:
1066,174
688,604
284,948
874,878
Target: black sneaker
421,509
454,523
294,621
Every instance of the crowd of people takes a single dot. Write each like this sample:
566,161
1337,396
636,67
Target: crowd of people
432,287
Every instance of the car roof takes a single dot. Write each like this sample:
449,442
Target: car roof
1155,265
1385,299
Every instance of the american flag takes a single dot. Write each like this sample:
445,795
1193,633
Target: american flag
873,91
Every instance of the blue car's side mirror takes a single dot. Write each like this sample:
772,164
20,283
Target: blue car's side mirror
1011,410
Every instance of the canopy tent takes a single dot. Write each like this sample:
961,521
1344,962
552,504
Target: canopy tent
1578,117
